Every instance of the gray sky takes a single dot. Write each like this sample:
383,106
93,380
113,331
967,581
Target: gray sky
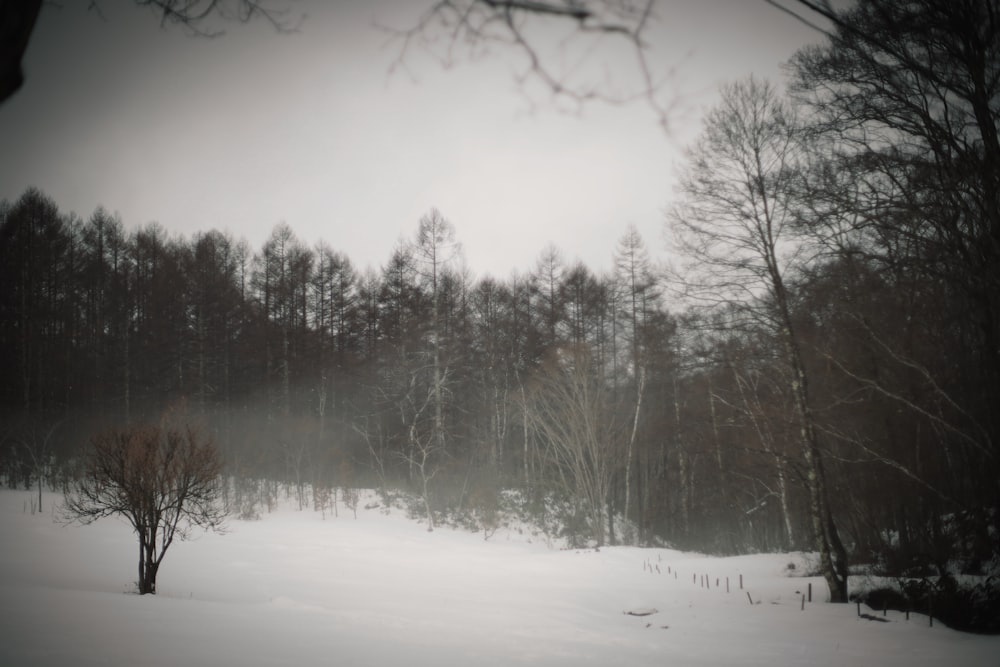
253,128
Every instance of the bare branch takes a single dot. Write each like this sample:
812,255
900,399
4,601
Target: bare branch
194,15
480,25
822,8
898,397
876,457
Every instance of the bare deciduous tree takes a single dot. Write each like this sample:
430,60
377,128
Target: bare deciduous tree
425,446
163,480
568,409
736,225
37,445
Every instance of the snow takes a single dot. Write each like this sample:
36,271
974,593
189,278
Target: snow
295,588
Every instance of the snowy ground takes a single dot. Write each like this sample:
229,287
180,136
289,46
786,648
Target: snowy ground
294,588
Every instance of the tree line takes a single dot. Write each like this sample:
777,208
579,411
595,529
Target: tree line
819,368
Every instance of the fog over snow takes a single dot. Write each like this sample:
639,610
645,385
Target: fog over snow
295,588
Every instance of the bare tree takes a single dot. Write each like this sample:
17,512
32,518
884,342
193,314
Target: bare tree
163,480
37,444
425,446
568,408
549,303
434,249
735,223
907,98
639,296
754,409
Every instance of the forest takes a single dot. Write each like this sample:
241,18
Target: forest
817,367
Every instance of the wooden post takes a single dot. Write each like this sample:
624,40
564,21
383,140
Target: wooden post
727,584
749,598
810,592
741,582
803,606
859,608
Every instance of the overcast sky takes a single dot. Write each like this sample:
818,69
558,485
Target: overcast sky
253,128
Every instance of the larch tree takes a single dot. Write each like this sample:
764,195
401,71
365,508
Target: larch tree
281,276
545,282
637,284
435,248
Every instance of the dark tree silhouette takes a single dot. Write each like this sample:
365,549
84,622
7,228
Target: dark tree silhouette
18,18
163,480
735,224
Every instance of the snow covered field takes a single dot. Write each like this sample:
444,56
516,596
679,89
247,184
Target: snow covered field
297,589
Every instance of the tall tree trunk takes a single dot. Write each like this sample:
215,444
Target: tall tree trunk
127,365
833,555
286,373
639,391
681,467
